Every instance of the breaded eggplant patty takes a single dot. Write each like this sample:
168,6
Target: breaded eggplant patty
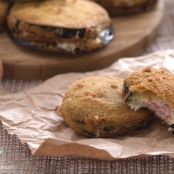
3,13
94,107
152,89
55,25
121,7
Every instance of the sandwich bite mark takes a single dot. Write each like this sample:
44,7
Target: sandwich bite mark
152,89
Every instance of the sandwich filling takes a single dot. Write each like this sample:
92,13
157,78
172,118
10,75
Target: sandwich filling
64,39
150,101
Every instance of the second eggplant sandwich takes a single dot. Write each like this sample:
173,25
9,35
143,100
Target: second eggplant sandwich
152,89
60,26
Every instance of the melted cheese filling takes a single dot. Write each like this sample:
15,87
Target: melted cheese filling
153,103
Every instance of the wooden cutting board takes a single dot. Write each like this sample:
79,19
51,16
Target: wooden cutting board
132,35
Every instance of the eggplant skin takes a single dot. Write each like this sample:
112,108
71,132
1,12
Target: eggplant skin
48,32
126,92
66,33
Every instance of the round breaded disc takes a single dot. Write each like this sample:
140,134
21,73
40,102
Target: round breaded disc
57,13
94,107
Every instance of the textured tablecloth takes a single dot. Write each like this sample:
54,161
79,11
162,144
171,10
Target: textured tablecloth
16,158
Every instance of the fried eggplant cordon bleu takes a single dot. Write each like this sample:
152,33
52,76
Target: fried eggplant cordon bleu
153,89
94,107
70,26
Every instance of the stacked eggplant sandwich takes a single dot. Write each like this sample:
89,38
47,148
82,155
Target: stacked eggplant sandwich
69,26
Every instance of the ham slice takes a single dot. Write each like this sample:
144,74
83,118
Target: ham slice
161,110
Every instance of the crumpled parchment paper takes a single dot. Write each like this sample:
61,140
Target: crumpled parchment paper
31,115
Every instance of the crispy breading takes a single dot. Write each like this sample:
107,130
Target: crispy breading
158,82
62,27
76,14
94,107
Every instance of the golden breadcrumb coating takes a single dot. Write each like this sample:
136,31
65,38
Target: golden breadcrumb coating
158,82
94,107
75,14
73,26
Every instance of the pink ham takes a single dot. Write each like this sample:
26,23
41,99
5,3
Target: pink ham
160,109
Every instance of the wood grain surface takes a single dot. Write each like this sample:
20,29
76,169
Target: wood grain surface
132,35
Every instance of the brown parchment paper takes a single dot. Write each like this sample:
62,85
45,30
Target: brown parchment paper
31,116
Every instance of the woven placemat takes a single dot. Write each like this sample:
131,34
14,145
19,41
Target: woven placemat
16,158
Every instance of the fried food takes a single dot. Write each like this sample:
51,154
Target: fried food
152,89
94,107
70,26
